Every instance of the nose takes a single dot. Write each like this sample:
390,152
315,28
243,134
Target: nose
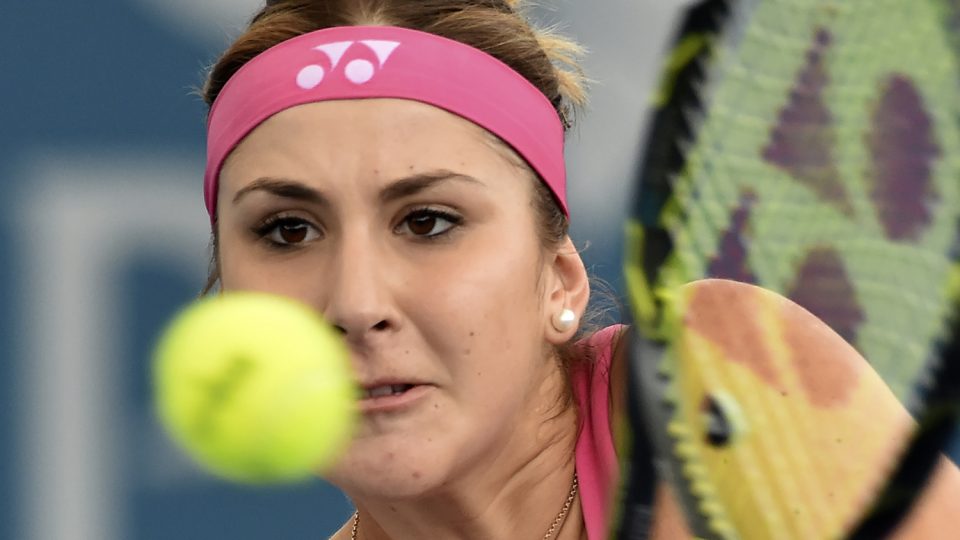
360,304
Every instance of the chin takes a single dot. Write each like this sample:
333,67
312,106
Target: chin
388,473
400,483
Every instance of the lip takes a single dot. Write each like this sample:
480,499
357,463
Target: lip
396,402
367,385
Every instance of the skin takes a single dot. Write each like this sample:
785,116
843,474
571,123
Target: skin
412,231
443,283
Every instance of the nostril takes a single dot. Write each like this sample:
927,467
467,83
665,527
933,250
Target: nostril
382,325
340,329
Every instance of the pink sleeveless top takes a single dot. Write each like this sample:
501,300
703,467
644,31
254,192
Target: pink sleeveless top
596,459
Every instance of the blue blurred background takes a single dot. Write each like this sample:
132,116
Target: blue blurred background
103,236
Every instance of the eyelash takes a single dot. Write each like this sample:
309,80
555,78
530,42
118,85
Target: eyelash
455,221
264,229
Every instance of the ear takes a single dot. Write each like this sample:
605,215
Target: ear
567,287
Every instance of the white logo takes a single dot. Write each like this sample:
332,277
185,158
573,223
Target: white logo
357,71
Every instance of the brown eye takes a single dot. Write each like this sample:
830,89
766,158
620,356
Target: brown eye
287,232
429,223
292,233
422,225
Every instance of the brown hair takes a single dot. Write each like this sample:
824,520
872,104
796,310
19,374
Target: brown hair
497,27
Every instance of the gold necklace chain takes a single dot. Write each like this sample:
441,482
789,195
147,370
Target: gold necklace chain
554,527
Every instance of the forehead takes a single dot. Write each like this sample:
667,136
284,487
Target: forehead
391,136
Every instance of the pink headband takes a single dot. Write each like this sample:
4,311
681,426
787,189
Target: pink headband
354,62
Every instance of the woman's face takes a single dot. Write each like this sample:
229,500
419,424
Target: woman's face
413,232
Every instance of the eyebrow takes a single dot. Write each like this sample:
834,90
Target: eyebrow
411,185
283,187
398,189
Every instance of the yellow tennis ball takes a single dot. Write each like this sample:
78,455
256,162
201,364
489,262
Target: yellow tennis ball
256,387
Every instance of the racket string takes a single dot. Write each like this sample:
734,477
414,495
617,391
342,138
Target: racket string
709,197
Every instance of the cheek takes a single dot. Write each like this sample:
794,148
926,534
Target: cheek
239,268
483,317
244,267
230,263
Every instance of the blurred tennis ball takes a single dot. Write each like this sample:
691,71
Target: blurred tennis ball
256,387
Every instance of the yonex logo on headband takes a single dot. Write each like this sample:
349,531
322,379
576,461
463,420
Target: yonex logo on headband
357,71
369,62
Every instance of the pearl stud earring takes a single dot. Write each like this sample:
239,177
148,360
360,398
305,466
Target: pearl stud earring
564,320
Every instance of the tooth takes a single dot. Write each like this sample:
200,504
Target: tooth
380,391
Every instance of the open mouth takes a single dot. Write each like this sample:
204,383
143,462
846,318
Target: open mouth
394,397
386,390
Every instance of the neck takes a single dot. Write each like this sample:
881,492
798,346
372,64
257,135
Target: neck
516,492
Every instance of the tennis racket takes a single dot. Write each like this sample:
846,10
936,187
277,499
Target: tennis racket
806,153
